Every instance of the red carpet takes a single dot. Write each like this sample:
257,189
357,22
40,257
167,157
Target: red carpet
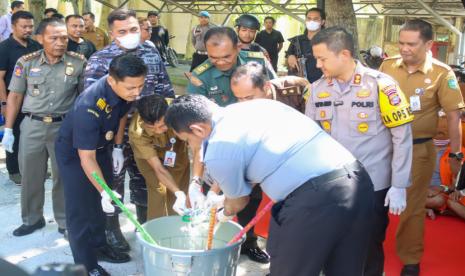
444,246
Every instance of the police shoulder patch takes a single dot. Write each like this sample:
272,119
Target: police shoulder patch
251,54
76,55
31,55
101,103
202,68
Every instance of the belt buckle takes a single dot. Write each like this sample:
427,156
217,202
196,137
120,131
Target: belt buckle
47,119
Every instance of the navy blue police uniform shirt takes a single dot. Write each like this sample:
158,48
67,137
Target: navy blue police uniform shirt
94,119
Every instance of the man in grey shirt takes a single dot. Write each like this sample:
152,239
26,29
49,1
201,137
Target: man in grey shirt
198,34
318,186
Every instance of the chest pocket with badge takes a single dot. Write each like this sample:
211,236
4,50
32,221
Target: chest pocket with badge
36,86
70,79
363,113
323,102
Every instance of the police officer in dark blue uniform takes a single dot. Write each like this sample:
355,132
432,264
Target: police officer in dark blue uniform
82,147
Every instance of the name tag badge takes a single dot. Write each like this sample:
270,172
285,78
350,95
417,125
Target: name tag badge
170,159
415,103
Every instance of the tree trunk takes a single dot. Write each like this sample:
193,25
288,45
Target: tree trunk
86,6
37,7
75,6
4,7
341,13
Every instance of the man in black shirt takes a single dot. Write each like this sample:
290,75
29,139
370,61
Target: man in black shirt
75,27
271,39
18,44
300,59
160,36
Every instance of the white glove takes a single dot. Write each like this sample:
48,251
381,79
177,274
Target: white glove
196,196
8,139
180,204
221,217
396,199
214,200
107,207
118,160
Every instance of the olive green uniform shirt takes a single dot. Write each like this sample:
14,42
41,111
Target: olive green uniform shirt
216,85
49,89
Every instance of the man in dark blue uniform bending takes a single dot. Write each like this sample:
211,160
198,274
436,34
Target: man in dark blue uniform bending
82,147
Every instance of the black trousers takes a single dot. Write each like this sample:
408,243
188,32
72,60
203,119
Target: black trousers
274,62
325,224
248,213
197,59
12,165
374,265
85,219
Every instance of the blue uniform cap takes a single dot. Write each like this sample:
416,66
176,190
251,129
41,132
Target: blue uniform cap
204,14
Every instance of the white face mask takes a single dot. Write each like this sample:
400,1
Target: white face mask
129,41
312,25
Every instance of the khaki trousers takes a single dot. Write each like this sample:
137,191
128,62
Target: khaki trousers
36,145
159,200
410,230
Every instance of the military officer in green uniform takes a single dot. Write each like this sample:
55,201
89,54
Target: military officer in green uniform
43,87
212,78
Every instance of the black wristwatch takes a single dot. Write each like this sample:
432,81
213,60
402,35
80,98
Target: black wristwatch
457,155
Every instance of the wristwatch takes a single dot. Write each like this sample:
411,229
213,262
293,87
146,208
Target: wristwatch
457,155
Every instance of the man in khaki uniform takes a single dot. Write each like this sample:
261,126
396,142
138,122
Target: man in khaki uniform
429,85
366,112
161,158
290,90
45,83
96,35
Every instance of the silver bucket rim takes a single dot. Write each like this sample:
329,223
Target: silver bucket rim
191,252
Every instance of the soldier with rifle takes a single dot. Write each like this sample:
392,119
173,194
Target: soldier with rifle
299,55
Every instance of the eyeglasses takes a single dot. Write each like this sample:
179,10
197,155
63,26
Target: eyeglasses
147,29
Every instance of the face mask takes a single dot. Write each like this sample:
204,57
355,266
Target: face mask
312,25
129,41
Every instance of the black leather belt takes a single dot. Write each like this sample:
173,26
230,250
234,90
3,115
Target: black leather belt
46,119
421,140
324,178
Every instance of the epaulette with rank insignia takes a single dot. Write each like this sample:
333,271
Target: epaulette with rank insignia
251,54
202,68
31,55
77,55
